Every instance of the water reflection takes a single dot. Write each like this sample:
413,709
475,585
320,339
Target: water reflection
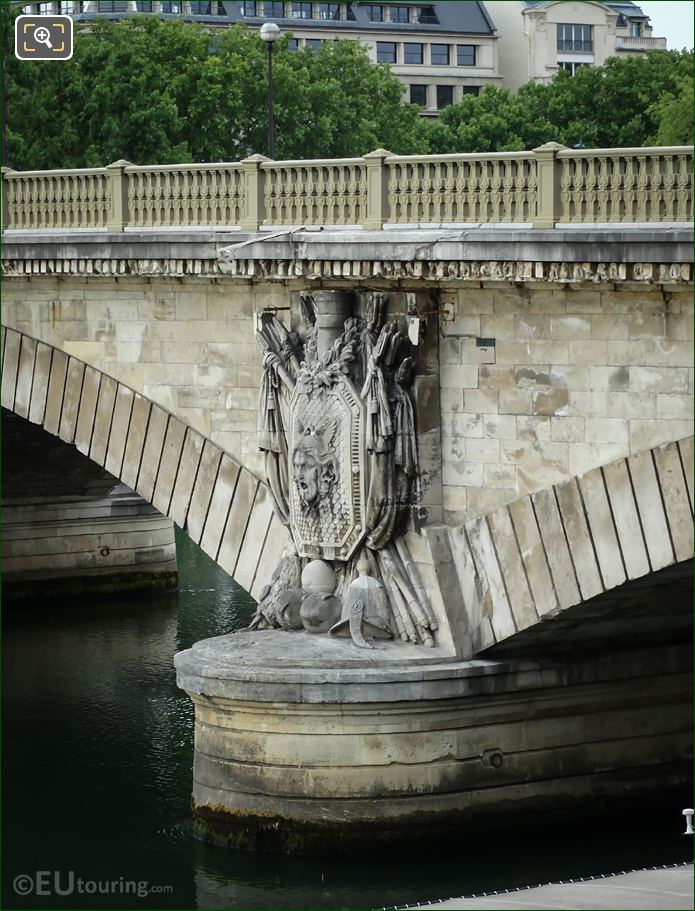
98,762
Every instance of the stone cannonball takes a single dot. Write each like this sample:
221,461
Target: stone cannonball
318,578
319,613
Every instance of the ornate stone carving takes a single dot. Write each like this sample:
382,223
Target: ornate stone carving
336,421
319,270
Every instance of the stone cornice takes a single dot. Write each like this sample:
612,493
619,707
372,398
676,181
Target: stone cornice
660,255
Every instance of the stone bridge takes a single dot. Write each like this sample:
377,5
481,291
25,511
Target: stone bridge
553,291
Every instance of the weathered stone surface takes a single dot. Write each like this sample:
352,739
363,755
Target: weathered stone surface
71,400
256,531
10,365
395,764
25,376
54,396
593,491
676,499
208,466
87,409
169,465
220,503
626,519
137,430
103,419
579,538
186,476
39,389
119,429
533,555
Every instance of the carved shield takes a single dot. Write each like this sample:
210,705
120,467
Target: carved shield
327,470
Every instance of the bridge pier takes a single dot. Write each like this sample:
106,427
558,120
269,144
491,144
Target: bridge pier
302,745
68,526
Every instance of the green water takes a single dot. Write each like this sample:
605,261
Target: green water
98,753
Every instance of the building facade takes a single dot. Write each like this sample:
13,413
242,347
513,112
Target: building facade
439,51
537,39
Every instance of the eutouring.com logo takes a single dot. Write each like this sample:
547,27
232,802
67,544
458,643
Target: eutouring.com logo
67,882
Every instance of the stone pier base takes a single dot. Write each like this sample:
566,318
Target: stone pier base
72,545
305,743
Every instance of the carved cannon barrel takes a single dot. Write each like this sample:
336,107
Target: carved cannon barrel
332,309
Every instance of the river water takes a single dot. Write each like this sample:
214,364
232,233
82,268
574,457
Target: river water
98,753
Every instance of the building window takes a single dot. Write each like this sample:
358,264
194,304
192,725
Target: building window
570,67
399,14
314,44
293,44
46,9
412,53
471,90
274,10
439,54
349,13
301,11
635,29
574,38
200,7
171,6
418,95
329,11
67,7
248,8
465,54
375,13
426,15
445,96
114,6
386,51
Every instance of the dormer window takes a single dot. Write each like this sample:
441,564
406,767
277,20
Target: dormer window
301,11
329,11
635,28
426,15
399,14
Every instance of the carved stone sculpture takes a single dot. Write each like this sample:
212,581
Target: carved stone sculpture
337,424
365,609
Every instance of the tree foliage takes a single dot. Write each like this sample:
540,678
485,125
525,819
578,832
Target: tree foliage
631,101
169,91
159,91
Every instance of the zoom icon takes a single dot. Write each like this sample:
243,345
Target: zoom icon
43,37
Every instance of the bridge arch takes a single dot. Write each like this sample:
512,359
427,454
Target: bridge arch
215,500
543,557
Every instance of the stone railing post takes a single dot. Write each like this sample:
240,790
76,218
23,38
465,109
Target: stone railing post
254,193
549,205
6,197
118,195
377,189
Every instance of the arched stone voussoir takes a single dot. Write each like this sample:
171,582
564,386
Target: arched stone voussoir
534,559
216,501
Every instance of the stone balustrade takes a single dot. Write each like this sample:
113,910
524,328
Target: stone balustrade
544,187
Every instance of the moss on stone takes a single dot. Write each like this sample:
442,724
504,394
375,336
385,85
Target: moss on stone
43,588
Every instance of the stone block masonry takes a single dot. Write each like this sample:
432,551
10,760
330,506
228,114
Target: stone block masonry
542,383
538,383
186,345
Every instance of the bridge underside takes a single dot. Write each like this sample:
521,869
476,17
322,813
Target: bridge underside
654,610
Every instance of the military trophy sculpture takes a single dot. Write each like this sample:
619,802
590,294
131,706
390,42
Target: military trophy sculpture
337,425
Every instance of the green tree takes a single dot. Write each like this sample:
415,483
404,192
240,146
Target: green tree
168,91
674,113
627,102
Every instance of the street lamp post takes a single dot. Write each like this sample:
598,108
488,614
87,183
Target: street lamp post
270,32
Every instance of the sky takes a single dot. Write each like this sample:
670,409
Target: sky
671,19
